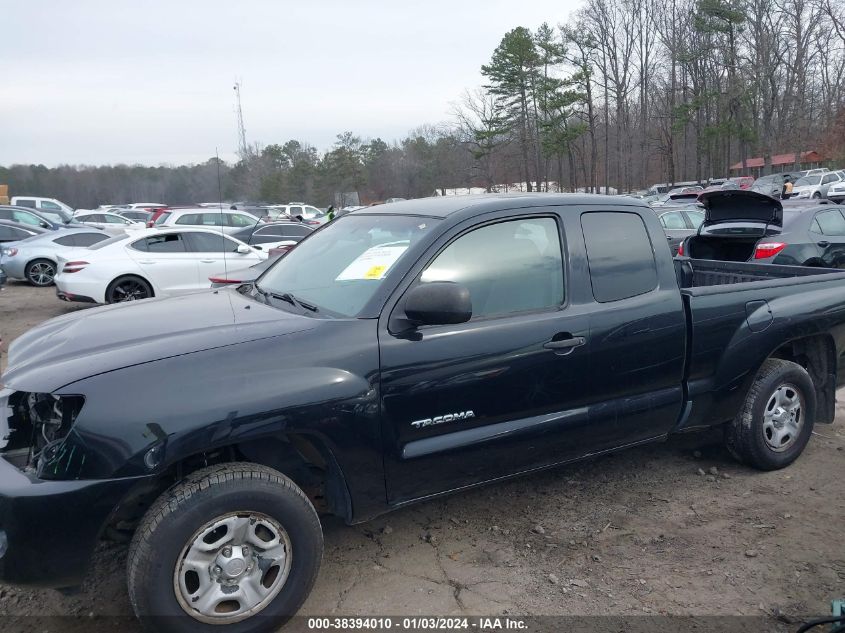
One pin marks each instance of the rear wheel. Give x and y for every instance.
(40, 272)
(776, 420)
(817, 195)
(128, 288)
(235, 544)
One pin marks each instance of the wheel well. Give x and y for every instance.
(303, 458)
(817, 355)
(39, 259)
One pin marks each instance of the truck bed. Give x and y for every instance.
(700, 273)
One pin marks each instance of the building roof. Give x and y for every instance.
(780, 159)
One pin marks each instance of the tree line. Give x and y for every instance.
(624, 94)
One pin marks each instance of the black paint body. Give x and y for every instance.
(218, 368)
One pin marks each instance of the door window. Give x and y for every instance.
(23, 202)
(236, 219)
(9, 233)
(188, 218)
(695, 218)
(830, 222)
(620, 255)
(26, 218)
(511, 266)
(51, 206)
(210, 243)
(168, 243)
(673, 220)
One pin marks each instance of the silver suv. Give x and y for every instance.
(226, 221)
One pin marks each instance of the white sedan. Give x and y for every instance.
(109, 222)
(150, 263)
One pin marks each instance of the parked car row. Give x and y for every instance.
(89, 264)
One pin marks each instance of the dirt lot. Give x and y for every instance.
(676, 528)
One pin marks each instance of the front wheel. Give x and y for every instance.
(776, 420)
(817, 195)
(237, 545)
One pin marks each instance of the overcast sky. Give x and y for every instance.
(119, 81)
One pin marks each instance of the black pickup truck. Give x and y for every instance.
(398, 353)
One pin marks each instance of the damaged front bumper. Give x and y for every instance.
(52, 527)
(51, 515)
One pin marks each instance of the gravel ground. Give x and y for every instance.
(675, 528)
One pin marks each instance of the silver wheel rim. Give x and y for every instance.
(783, 417)
(232, 567)
(41, 273)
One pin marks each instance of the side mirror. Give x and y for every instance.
(439, 303)
(243, 249)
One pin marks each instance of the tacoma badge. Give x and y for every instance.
(440, 419)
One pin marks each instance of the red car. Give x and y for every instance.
(744, 182)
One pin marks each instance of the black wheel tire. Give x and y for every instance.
(40, 272)
(744, 436)
(817, 195)
(130, 284)
(206, 494)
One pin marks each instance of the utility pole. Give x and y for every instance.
(242, 147)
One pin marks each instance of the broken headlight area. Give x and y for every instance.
(33, 428)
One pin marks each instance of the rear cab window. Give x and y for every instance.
(620, 255)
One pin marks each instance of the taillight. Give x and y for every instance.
(681, 249)
(768, 249)
(74, 267)
(224, 280)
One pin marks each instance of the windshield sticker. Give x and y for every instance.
(374, 263)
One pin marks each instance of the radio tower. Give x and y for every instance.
(242, 148)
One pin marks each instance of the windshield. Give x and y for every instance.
(808, 180)
(340, 267)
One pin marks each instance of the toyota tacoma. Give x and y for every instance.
(398, 353)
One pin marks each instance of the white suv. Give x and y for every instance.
(41, 204)
(224, 220)
(836, 191)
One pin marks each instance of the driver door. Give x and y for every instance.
(467, 403)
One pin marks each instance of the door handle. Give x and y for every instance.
(565, 342)
(823, 243)
(208, 261)
(147, 261)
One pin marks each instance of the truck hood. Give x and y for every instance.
(98, 340)
(743, 205)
